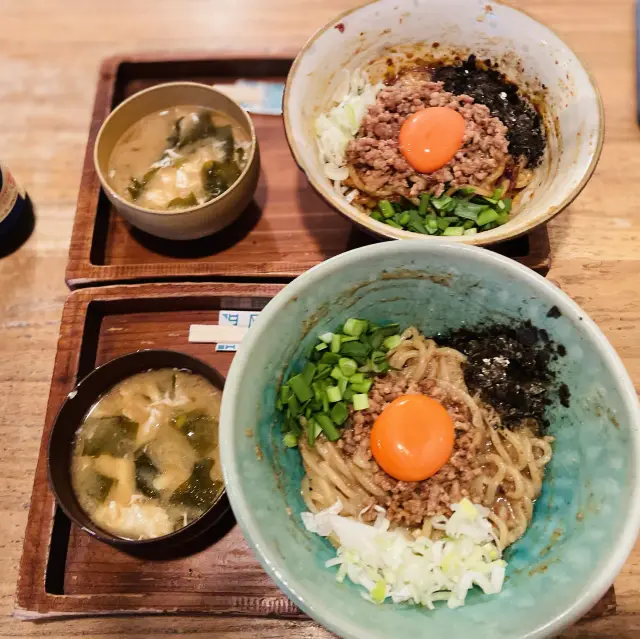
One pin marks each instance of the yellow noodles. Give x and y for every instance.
(508, 465)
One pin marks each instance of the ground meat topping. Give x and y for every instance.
(381, 166)
(409, 503)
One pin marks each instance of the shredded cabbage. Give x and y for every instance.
(340, 124)
(392, 564)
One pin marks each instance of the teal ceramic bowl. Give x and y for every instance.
(588, 515)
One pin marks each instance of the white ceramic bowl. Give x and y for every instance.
(527, 51)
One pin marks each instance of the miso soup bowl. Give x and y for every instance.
(529, 53)
(587, 517)
(70, 417)
(196, 221)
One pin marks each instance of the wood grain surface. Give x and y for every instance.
(49, 61)
(287, 229)
(63, 570)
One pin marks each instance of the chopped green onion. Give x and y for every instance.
(403, 218)
(293, 407)
(335, 343)
(300, 387)
(347, 366)
(333, 394)
(329, 358)
(355, 327)
(285, 393)
(392, 223)
(386, 208)
(290, 440)
(357, 378)
(347, 396)
(487, 216)
(363, 387)
(337, 374)
(324, 370)
(470, 232)
(379, 591)
(444, 222)
(326, 338)
(356, 350)
(360, 402)
(440, 203)
(392, 342)
(469, 210)
(497, 194)
(504, 206)
(339, 413)
(321, 347)
(379, 362)
(453, 231)
(344, 339)
(313, 430)
(308, 372)
(425, 198)
(342, 385)
(328, 427)
(376, 216)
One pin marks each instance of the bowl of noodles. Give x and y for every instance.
(431, 435)
(456, 118)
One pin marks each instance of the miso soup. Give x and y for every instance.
(178, 158)
(145, 459)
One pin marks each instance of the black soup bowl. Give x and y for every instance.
(186, 540)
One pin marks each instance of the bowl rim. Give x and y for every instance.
(480, 239)
(96, 531)
(276, 566)
(161, 213)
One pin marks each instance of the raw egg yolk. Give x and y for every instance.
(429, 138)
(412, 438)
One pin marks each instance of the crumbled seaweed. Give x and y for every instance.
(487, 86)
(510, 367)
(554, 312)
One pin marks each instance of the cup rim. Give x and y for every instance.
(155, 212)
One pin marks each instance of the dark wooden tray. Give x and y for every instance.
(65, 572)
(285, 231)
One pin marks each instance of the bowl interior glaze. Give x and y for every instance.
(587, 516)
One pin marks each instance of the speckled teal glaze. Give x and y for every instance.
(587, 518)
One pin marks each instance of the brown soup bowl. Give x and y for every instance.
(194, 536)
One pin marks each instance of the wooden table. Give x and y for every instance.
(48, 64)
